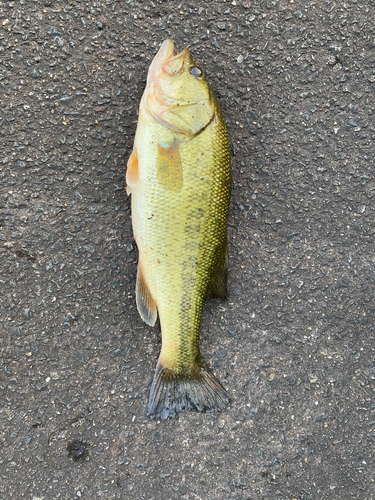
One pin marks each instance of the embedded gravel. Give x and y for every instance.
(293, 345)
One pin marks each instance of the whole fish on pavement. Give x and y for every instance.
(179, 178)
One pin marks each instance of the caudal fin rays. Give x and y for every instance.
(173, 392)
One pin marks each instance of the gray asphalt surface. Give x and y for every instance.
(293, 345)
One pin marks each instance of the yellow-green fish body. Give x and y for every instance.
(179, 178)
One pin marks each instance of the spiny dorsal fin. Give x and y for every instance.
(145, 303)
(132, 174)
(170, 167)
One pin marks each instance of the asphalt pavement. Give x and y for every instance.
(293, 344)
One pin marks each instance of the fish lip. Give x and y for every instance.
(164, 56)
(165, 52)
(181, 54)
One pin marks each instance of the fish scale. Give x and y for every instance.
(186, 236)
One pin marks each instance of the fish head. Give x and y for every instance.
(177, 94)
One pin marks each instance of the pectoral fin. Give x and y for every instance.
(132, 174)
(169, 167)
(219, 285)
(145, 303)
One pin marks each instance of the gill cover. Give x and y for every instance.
(176, 97)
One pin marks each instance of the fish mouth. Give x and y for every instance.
(175, 64)
(165, 52)
(165, 61)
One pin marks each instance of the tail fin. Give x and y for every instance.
(173, 392)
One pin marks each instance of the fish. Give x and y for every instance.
(179, 178)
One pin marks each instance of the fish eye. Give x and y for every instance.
(195, 71)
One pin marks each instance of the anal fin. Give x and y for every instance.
(145, 303)
(132, 174)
